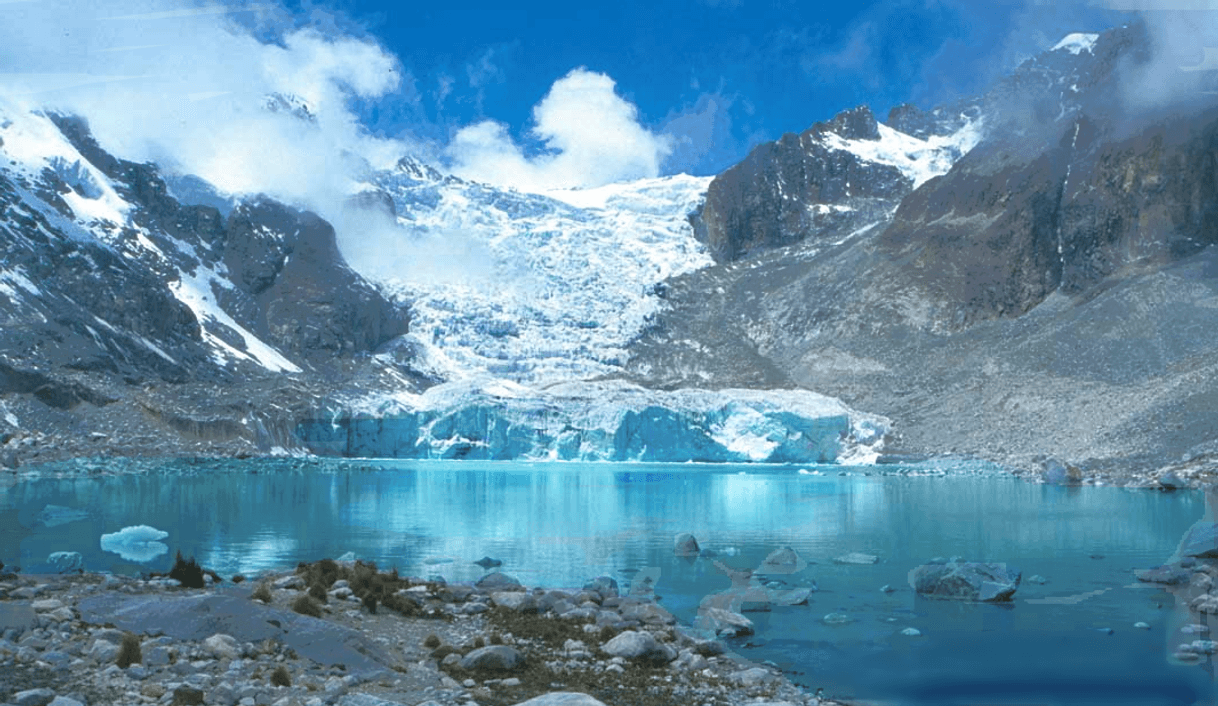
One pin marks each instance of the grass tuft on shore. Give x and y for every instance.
(129, 651)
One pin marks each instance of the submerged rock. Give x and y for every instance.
(1165, 574)
(65, 562)
(685, 544)
(783, 560)
(856, 558)
(970, 581)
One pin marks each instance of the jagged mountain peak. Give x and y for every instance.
(416, 169)
(289, 104)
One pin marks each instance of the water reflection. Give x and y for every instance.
(560, 524)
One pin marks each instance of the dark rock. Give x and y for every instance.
(685, 545)
(187, 696)
(971, 581)
(486, 562)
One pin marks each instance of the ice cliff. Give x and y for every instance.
(488, 418)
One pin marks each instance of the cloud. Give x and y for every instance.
(192, 89)
(588, 135)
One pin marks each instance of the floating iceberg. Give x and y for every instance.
(139, 543)
(490, 418)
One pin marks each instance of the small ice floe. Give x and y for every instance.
(837, 619)
(911, 632)
(139, 543)
(1142, 626)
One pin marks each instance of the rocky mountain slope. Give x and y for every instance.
(1051, 294)
(135, 324)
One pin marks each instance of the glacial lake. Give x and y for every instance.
(1069, 641)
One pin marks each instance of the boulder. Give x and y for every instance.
(604, 585)
(1201, 541)
(515, 600)
(199, 617)
(784, 560)
(488, 563)
(1165, 574)
(496, 581)
(631, 644)
(1057, 473)
(33, 697)
(562, 698)
(967, 581)
(496, 658)
(222, 646)
(685, 545)
(722, 621)
(1171, 481)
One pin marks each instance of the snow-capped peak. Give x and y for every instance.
(1077, 43)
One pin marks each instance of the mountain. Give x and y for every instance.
(1049, 294)
(1024, 274)
(133, 323)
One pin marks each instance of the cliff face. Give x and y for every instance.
(1049, 293)
(799, 187)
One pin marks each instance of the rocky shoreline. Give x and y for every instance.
(94, 639)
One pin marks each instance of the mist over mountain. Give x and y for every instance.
(1022, 274)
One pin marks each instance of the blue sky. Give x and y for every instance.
(717, 75)
(530, 95)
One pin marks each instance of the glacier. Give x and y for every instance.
(536, 288)
(489, 418)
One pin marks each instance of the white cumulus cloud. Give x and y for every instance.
(591, 136)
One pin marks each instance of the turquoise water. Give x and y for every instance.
(560, 524)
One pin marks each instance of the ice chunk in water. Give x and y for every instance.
(139, 543)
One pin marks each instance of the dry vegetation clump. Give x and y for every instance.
(262, 592)
(553, 632)
(129, 651)
(374, 588)
(306, 606)
(281, 677)
(187, 573)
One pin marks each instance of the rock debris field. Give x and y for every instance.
(346, 634)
